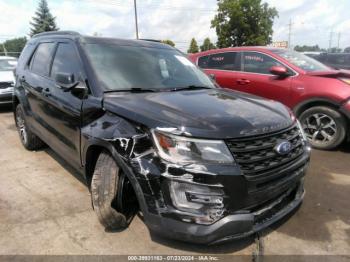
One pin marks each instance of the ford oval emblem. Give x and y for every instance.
(283, 148)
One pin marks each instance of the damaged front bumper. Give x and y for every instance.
(242, 214)
(211, 203)
(231, 227)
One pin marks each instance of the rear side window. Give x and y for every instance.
(26, 53)
(42, 59)
(66, 61)
(224, 61)
(255, 62)
(203, 61)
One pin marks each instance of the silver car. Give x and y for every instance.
(7, 65)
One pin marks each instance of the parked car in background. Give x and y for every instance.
(319, 95)
(314, 55)
(7, 66)
(149, 130)
(335, 60)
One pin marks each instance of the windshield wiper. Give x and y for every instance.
(190, 87)
(132, 90)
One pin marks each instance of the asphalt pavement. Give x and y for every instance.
(46, 209)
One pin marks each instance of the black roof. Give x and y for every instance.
(57, 33)
(107, 40)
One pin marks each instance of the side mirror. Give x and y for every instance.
(65, 81)
(279, 71)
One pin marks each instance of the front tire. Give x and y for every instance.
(107, 186)
(324, 126)
(29, 140)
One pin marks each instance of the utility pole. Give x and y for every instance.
(330, 41)
(339, 35)
(290, 34)
(5, 51)
(136, 23)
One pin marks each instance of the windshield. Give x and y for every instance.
(7, 64)
(300, 60)
(129, 67)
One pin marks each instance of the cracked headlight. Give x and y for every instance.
(184, 150)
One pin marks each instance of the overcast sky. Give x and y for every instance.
(179, 20)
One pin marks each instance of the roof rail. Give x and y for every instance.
(56, 33)
(151, 40)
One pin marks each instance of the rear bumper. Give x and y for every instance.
(231, 227)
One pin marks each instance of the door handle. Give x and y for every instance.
(243, 81)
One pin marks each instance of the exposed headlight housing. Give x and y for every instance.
(184, 150)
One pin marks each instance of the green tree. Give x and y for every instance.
(307, 48)
(243, 22)
(13, 46)
(207, 45)
(193, 47)
(43, 21)
(168, 42)
(347, 49)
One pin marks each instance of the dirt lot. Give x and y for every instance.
(45, 209)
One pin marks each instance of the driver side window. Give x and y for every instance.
(255, 62)
(66, 61)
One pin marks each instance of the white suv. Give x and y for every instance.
(7, 65)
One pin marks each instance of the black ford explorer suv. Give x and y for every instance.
(151, 133)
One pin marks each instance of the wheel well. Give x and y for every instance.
(90, 162)
(299, 109)
(15, 102)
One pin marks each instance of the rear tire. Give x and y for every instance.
(324, 126)
(29, 140)
(105, 194)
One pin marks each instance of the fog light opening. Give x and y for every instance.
(204, 202)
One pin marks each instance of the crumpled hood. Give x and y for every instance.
(7, 76)
(209, 113)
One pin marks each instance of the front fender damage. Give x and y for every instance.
(135, 146)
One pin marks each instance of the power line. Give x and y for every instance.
(330, 40)
(290, 34)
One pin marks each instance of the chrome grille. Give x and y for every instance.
(256, 155)
(6, 84)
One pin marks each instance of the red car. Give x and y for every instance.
(318, 95)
